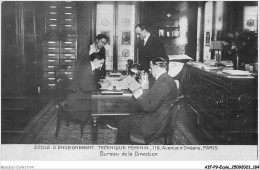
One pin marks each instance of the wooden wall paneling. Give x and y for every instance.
(155, 13)
(86, 32)
(30, 46)
(19, 87)
(8, 54)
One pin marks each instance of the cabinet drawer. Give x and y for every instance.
(68, 4)
(68, 8)
(50, 86)
(51, 43)
(49, 68)
(68, 50)
(52, 27)
(68, 43)
(68, 14)
(49, 74)
(52, 21)
(49, 80)
(68, 27)
(51, 49)
(67, 62)
(68, 21)
(69, 74)
(51, 62)
(68, 56)
(51, 56)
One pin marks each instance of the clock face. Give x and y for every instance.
(250, 23)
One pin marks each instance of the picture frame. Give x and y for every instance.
(175, 33)
(126, 38)
(207, 38)
(161, 32)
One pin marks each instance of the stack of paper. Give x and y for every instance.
(237, 72)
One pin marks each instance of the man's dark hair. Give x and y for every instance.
(161, 62)
(142, 26)
(100, 36)
(96, 56)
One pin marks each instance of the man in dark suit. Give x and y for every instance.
(84, 82)
(155, 105)
(149, 48)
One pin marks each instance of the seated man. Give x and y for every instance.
(155, 105)
(84, 83)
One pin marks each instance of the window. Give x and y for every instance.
(117, 20)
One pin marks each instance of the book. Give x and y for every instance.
(131, 83)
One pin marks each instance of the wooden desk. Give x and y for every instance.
(110, 105)
(225, 106)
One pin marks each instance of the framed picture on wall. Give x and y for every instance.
(175, 32)
(207, 38)
(126, 37)
(161, 32)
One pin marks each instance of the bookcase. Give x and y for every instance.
(60, 42)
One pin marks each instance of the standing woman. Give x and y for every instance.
(84, 82)
(98, 47)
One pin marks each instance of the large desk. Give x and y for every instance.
(225, 106)
(110, 105)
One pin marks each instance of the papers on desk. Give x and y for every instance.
(237, 72)
(127, 82)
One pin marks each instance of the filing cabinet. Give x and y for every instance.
(59, 59)
(60, 43)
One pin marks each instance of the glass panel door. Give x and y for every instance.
(126, 35)
(105, 25)
(117, 21)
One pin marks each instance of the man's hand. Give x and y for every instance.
(104, 83)
(138, 93)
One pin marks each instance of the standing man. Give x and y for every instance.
(98, 47)
(149, 48)
(155, 105)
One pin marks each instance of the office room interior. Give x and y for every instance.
(213, 44)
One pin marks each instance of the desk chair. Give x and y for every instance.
(169, 128)
(62, 90)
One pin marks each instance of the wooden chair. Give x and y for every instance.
(62, 90)
(169, 128)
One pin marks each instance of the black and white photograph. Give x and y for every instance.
(189, 98)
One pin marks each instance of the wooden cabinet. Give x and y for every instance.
(60, 44)
(59, 58)
(225, 106)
